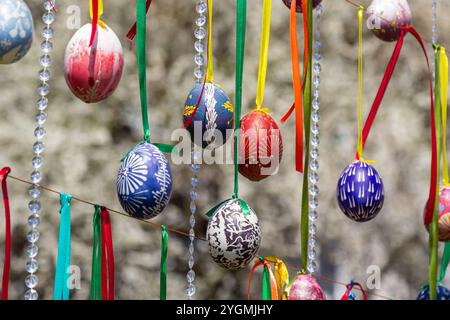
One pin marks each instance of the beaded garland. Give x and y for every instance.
(144, 182)
(16, 30)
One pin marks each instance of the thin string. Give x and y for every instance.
(264, 53)
(152, 224)
(210, 65)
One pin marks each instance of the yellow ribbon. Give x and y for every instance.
(210, 66)
(360, 82)
(100, 13)
(281, 275)
(263, 53)
(443, 79)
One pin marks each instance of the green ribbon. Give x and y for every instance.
(444, 262)
(266, 293)
(244, 206)
(165, 148)
(96, 275)
(61, 289)
(163, 269)
(307, 100)
(433, 228)
(241, 16)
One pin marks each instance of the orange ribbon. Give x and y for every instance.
(273, 283)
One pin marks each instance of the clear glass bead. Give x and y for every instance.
(191, 261)
(48, 4)
(199, 46)
(313, 177)
(36, 177)
(200, 33)
(36, 162)
(34, 206)
(46, 46)
(311, 242)
(198, 59)
(48, 18)
(41, 118)
(191, 248)
(39, 133)
(314, 165)
(192, 234)
(317, 68)
(316, 80)
(45, 61)
(195, 168)
(34, 192)
(32, 251)
(34, 220)
(43, 90)
(316, 105)
(193, 195)
(42, 104)
(314, 153)
(317, 45)
(190, 276)
(314, 190)
(313, 215)
(193, 207)
(317, 56)
(198, 73)
(192, 221)
(194, 182)
(201, 7)
(200, 21)
(31, 294)
(44, 75)
(312, 267)
(190, 291)
(311, 254)
(31, 281)
(312, 229)
(196, 156)
(315, 141)
(33, 236)
(315, 117)
(313, 203)
(316, 93)
(47, 32)
(31, 266)
(315, 129)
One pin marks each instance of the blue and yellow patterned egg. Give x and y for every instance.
(144, 182)
(16, 30)
(442, 293)
(213, 121)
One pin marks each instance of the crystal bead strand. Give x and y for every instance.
(199, 71)
(34, 206)
(314, 152)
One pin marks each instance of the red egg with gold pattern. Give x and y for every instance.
(260, 146)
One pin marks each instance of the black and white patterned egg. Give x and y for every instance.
(233, 237)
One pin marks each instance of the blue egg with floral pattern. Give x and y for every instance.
(144, 182)
(213, 121)
(360, 192)
(16, 30)
(442, 293)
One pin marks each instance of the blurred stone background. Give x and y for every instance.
(84, 144)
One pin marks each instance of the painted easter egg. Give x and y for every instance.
(442, 293)
(233, 237)
(306, 287)
(144, 182)
(213, 121)
(444, 214)
(360, 192)
(260, 146)
(93, 73)
(387, 16)
(298, 4)
(16, 30)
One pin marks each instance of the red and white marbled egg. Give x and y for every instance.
(260, 146)
(306, 287)
(443, 214)
(93, 73)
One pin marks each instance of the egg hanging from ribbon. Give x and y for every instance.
(444, 214)
(16, 30)
(233, 236)
(306, 287)
(442, 293)
(260, 146)
(144, 182)
(93, 72)
(213, 121)
(387, 16)
(298, 4)
(360, 192)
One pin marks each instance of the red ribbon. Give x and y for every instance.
(107, 257)
(273, 283)
(53, 7)
(377, 102)
(7, 261)
(132, 32)
(350, 287)
(94, 21)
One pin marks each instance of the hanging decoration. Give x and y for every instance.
(233, 219)
(442, 293)
(93, 61)
(281, 274)
(360, 192)
(61, 290)
(386, 17)
(163, 268)
(144, 181)
(16, 34)
(34, 206)
(350, 295)
(298, 7)
(7, 255)
(208, 112)
(269, 283)
(305, 287)
(96, 270)
(261, 144)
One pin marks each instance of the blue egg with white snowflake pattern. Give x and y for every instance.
(213, 121)
(144, 182)
(16, 30)
(360, 192)
(442, 293)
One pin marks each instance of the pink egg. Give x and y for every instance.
(444, 214)
(93, 73)
(306, 287)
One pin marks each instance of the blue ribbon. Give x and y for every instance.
(61, 289)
